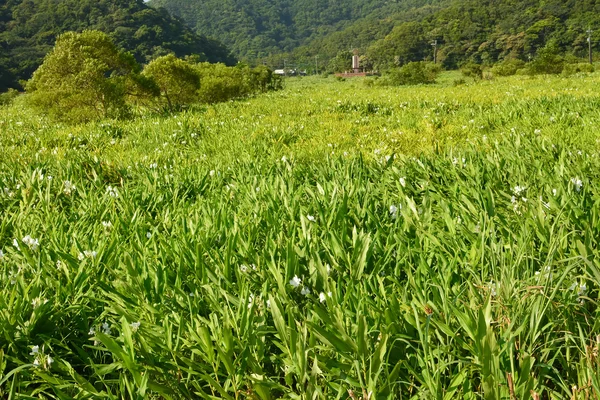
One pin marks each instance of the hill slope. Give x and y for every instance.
(28, 29)
(256, 28)
(480, 30)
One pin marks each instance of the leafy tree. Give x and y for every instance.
(413, 73)
(178, 81)
(341, 62)
(84, 77)
(406, 43)
(28, 31)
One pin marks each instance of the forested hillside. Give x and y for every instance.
(28, 29)
(256, 28)
(392, 31)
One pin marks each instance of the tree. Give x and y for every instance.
(84, 77)
(178, 81)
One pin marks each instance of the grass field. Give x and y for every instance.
(332, 240)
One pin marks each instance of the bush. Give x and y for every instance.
(7, 97)
(548, 61)
(84, 77)
(472, 70)
(507, 67)
(572, 69)
(177, 80)
(414, 73)
(219, 82)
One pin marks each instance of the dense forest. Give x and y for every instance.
(28, 30)
(387, 32)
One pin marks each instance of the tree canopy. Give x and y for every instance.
(483, 31)
(28, 30)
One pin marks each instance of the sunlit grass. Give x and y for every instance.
(418, 242)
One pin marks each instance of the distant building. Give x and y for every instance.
(279, 72)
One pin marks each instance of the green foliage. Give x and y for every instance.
(392, 31)
(8, 97)
(84, 77)
(178, 81)
(28, 30)
(548, 61)
(445, 242)
(342, 62)
(508, 67)
(413, 73)
(572, 69)
(221, 83)
(472, 70)
(405, 43)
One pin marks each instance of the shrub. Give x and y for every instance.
(177, 80)
(572, 69)
(472, 70)
(7, 97)
(262, 79)
(414, 73)
(84, 77)
(507, 67)
(221, 83)
(548, 61)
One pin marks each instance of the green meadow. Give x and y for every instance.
(332, 240)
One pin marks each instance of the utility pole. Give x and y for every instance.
(589, 39)
(434, 44)
(316, 65)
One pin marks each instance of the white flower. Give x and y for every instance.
(153, 166)
(36, 362)
(268, 303)
(322, 297)
(31, 242)
(329, 294)
(35, 350)
(582, 291)
(250, 300)
(49, 361)
(517, 190)
(403, 181)
(295, 281)
(107, 224)
(305, 291)
(16, 244)
(149, 235)
(92, 332)
(554, 192)
(310, 218)
(69, 188)
(212, 172)
(243, 268)
(135, 326)
(284, 159)
(393, 211)
(38, 301)
(106, 328)
(577, 183)
(112, 192)
(328, 267)
(493, 289)
(87, 254)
